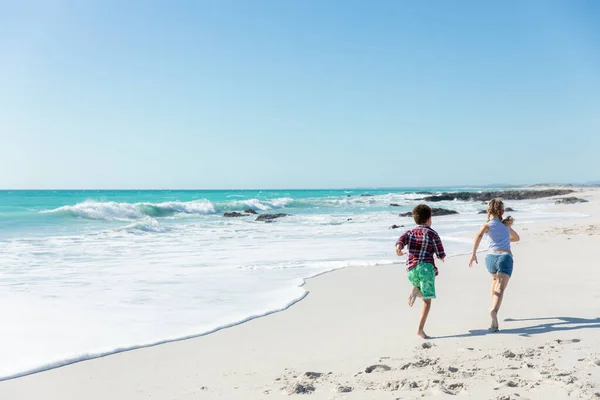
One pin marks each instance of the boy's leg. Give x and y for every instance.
(413, 278)
(427, 279)
(412, 296)
(424, 314)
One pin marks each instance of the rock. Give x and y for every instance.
(366, 195)
(250, 211)
(453, 369)
(344, 389)
(313, 375)
(233, 214)
(303, 388)
(435, 212)
(438, 212)
(427, 345)
(396, 226)
(506, 195)
(413, 385)
(270, 217)
(394, 205)
(349, 219)
(570, 200)
(377, 367)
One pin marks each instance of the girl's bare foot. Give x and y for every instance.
(423, 335)
(494, 326)
(414, 293)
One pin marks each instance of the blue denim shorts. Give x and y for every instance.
(499, 263)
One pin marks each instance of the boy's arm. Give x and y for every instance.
(400, 243)
(438, 247)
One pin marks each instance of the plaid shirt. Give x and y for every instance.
(422, 242)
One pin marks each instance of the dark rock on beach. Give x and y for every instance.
(435, 212)
(505, 195)
(396, 226)
(570, 200)
(270, 217)
(394, 205)
(233, 214)
(250, 211)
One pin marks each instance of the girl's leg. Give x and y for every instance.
(501, 283)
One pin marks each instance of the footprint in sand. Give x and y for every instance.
(378, 368)
(313, 375)
(568, 341)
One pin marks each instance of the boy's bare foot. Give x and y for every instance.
(423, 335)
(494, 326)
(414, 293)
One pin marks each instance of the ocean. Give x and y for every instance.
(88, 273)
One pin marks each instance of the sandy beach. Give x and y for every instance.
(353, 336)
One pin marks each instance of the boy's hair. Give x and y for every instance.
(495, 209)
(421, 214)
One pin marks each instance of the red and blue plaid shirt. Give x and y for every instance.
(422, 243)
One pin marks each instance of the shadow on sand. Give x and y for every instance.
(554, 324)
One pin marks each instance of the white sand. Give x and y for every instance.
(549, 346)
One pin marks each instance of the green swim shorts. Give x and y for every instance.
(423, 277)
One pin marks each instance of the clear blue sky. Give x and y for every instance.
(298, 94)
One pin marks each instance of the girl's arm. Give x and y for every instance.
(478, 238)
(514, 236)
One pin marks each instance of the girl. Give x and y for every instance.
(499, 261)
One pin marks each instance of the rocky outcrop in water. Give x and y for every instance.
(505, 195)
(435, 212)
(507, 209)
(250, 211)
(570, 200)
(233, 214)
(270, 217)
(394, 205)
(396, 226)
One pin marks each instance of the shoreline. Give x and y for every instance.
(18, 386)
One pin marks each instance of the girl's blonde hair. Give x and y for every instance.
(495, 209)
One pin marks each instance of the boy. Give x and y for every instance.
(422, 242)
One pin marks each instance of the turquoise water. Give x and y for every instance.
(27, 212)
